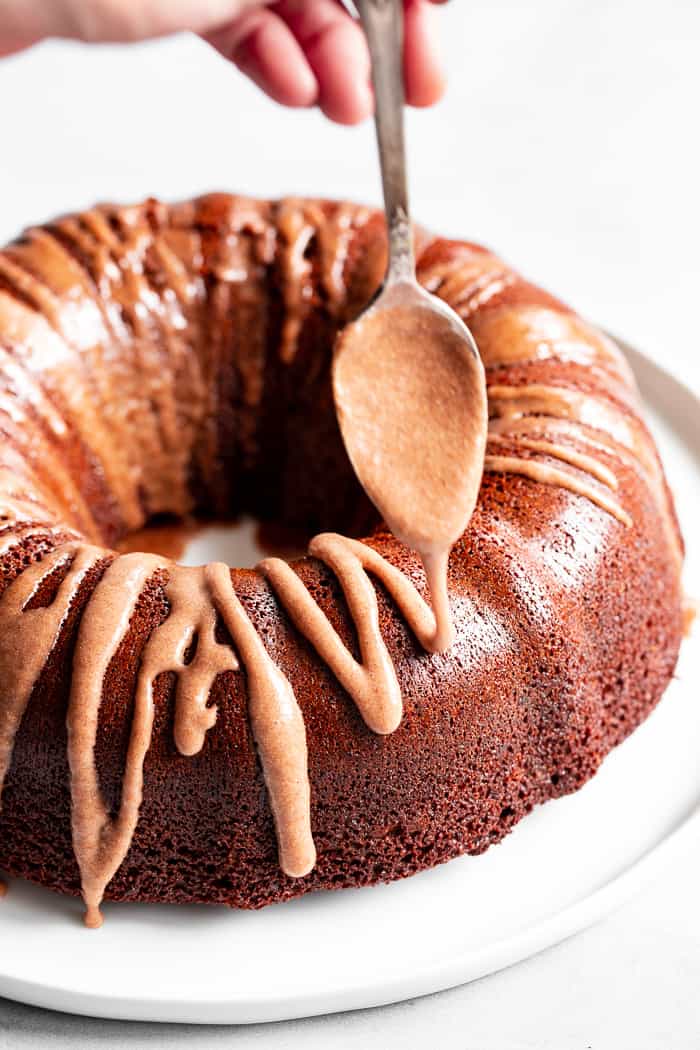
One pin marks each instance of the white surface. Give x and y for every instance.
(568, 141)
(563, 867)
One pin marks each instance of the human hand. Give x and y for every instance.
(300, 52)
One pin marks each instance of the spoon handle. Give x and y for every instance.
(383, 25)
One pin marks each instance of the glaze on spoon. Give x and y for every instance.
(409, 385)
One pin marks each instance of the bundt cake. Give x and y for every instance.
(236, 736)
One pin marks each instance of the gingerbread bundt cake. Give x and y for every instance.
(242, 737)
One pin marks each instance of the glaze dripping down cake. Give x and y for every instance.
(233, 736)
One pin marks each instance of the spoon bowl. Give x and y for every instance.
(410, 398)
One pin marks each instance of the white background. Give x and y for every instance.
(569, 142)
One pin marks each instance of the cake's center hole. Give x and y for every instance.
(241, 542)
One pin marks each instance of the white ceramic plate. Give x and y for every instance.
(566, 865)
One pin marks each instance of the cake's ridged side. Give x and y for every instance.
(568, 622)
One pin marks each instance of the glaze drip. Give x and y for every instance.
(196, 597)
(548, 412)
(28, 636)
(372, 684)
(548, 475)
(101, 843)
(309, 239)
(278, 730)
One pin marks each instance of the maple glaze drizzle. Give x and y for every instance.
(109, 268)
(196, 596)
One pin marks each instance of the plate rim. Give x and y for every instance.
(440, 976)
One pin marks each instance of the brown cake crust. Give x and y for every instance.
(568, 623)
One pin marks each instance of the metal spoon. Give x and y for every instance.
(408, 382)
